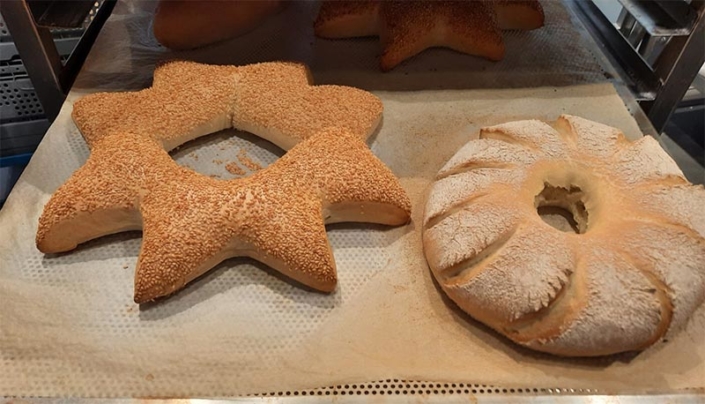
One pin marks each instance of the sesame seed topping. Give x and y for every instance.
(191, 222)
(407, 28)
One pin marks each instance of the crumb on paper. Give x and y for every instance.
(235, 169)
(246, 161)
(399, 288)
(125, 266)
(218, 161)
(149, 377)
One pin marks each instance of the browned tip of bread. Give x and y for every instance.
(347, 19)
(356, 175)
(406, 28)
(519, 14)
(184, 97)
(101, 197)
(409, 28)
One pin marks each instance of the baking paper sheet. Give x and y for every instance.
(68, 326)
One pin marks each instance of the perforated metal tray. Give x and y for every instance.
(22, 122)
(408, 388)
(397, 391)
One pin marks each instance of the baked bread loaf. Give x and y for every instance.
(518, 14)
(633, 272)
(188, 24)
(275, 101)
(407, 28)
(191, 222)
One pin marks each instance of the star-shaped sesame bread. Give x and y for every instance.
(191, 222)
(407, 28)
(275, 101)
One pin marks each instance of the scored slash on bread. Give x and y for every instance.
(191, 222)
(632, 275)
(407, 28)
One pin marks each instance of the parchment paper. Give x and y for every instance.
(68, 326)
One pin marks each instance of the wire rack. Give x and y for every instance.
(22, 119)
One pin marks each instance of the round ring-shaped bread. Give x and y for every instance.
(631, 272)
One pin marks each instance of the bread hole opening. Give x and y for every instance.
(558, 218)
(562, 208)
(227, 154)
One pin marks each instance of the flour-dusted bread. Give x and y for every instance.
(633, 272)
(188, 24)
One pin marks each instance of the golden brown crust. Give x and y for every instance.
(192, 222)
(406, 28)
(196, 94)
(519, 14)
(411, 27)
(187, 24)
(345, 19)
(297, 109)
(273, 100)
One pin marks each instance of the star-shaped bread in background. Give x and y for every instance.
(407, 28)
(191, 222)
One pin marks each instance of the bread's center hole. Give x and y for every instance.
(227, 154)
(562, 208)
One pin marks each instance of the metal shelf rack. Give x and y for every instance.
(29, 100)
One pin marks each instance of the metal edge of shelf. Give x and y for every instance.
(66, 41)
(630, 100)
(54, 14)
(654, 24)
(614, 51)
(64, 46)
(619, 84)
